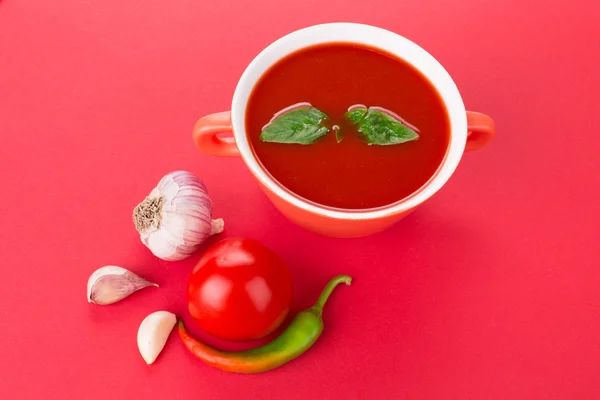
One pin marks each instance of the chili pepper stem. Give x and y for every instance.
(317, 309)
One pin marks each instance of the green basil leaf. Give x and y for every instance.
(356, 115)
(379, 127)
(301, 126)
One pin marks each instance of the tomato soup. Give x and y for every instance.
(350, 173)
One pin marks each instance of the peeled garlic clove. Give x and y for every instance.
(153, 334)
(110, 284)
(176, 217)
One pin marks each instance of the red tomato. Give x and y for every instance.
(240, 290)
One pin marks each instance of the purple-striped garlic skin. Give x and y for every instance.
(111, 283)
(176, 217)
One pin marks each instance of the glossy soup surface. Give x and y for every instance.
(350, 174)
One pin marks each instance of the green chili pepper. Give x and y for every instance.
(300, 335)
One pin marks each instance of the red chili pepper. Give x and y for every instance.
(300, 335)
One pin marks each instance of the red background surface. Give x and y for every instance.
(490, 291)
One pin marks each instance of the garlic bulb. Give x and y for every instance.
(110, 284)
(176, 217)
(153, 334)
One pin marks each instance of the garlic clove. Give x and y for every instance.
(110, 284)
(153, 334)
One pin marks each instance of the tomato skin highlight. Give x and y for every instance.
(240, 290)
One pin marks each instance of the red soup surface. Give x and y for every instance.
(350, 174)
